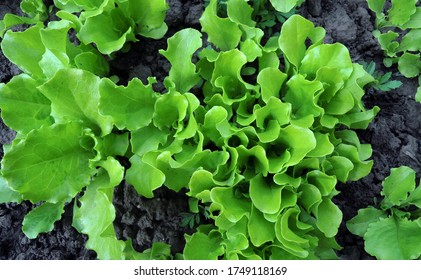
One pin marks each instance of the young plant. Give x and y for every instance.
(382, 81)
(109, 24)
(392, 231)
(403, 51)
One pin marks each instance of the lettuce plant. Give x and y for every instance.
(274, 110)
(110, 24)
(392, 231)
(258, 133)
(401, 50)
(35, 9)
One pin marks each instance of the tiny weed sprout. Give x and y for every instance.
(382, 81)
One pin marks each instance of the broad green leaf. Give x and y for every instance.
(7, 194)
(109, 31)
(240, 12)
(23, 106)
(11, 20)
(216, 125)
(303, 96)
(323, 146)
(294, 34)
(330, 56)
(401, 11)
(74, 96)
(415, 21)
(259, 229)
(360, 223)
(149, 16)
(270, 118)
(49, 164)
(57, 44)
(329, 217)
(361, 167)
(415, 197)
(284, 179)
(325, 183)
(115, 144)
(170, 110)
(309, 197)
(290, 237)
(393, 239)
(376, 6)
(270, 81)
(15, 46)
(67, 5)
(410, 65)
(227, 76)
(92, 62)
(131, 107)
(418, 94)
(178, 170)
(201, 182)
(34, 8)
(253, 161)
(200, 246)
(147, 139)
(251, 49)
(338, 166)
(265, 195)
(107, 247)
(222, 32)
(236, 240)
(387, 42)
(359, 120)
(181, 47)
(398, 184)
(42, 218)
(96, 212)
(158, 251)
(144, 177)
(232, 206)
(284, 6)
(410, 41)
(299, 142)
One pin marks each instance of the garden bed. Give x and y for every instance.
(395, 137)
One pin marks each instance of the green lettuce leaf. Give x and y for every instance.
(393, 239)
(136, 98)
(20, 90)
(7, 194)
(49, 164)
(109, 31)
(42, 219)
(96, 212)
(181, 47)
(222, 32)
(74, 96)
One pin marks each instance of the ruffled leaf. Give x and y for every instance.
(136, 98)
(49, 164)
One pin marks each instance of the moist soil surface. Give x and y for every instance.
(395, 136)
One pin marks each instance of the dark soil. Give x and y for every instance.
(395, 136)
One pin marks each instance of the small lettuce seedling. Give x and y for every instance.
(403, 51)
(392, 231)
